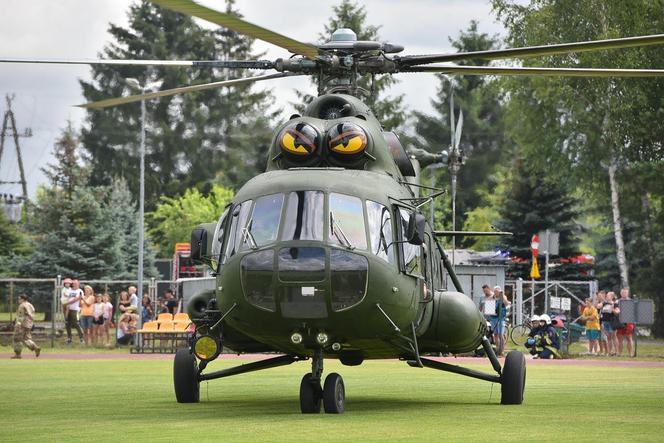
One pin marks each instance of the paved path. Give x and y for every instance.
(451, 360)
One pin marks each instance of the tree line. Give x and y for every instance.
(579, 156)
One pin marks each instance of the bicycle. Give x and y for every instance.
(519, 333)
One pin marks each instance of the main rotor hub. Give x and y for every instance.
(343, 35)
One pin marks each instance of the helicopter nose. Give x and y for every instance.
(309, 282)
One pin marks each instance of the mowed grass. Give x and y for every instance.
(133, 400)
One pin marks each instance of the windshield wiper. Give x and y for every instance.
(339, 233)
(247, 235)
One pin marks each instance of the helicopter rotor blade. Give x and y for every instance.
(193, 9)
(238, 64)
(536, 71)
(168, 92)
(457, 132)
(533, 51)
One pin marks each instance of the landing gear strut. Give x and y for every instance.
(333, 395)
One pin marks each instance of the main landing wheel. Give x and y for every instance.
(310, 395)
(513, 379)
(334, 394)
(185, 377)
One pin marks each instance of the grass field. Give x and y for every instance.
(132, 400)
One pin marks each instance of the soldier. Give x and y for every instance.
(23, 327)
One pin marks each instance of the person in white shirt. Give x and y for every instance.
(133, 298)
(73, 310)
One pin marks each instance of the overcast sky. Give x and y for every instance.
(77, 29)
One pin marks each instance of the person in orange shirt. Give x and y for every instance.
(87, 314)
(591, 317)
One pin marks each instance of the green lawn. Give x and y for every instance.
(132, 400)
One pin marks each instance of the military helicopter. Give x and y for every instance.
(327, 255)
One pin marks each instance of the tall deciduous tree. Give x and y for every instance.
(175, 218)
(588, 130)
(190, 137)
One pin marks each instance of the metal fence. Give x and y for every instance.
(45, 296)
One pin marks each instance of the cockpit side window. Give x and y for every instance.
(236, 233)
(346, 221)
(219, 233)
(410, 253)
(380, 231)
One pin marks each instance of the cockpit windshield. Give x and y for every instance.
(301, 215)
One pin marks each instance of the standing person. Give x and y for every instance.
(627, 331)
(599, 302)
(25, 317)
(108, 318)
(98, 320)
(64, 295)
(73, 310)
(607, 316)
(498, 320)
(147, 313)
(133, 298)
(87, 314)
(591, 317)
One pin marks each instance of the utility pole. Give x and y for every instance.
(10, 120)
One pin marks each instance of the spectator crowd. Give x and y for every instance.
(93, 315)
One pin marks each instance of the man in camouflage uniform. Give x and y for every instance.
(23, 327)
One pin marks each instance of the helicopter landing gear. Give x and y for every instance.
(185, 377)
(513, 379)
(333, 395)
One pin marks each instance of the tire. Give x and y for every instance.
(334, 394)
(310, 396)
(513, 379)
(519, 334)
(185, 377)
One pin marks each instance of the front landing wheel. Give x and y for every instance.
(185, 377)
(334, 394)
(513, 379)
(310, 395)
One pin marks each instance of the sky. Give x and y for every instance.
(45, 95)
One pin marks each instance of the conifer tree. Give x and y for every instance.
(482, 141)
(190, 137)
(533, 204)
(67, 227)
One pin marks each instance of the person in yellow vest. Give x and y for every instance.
(25, 319)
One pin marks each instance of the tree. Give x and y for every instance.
(588, 130)
(388, 110)
(121, 217)
(68, 232)
(175, 218)
(483, 140)
(534, 203)
(14, 247)
(190, 137)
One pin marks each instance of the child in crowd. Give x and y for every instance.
(107, 307)
(591, 317)
(98, 319)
